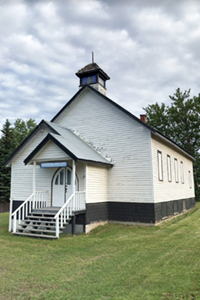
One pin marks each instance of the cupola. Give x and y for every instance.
(94, 76)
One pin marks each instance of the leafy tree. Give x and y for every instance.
(22, 129)
(180, 122)
(9, 141)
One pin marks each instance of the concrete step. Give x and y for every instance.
(45, 236)
(32, 230)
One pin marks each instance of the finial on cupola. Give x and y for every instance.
(94, 76)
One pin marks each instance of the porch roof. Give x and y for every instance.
(71, 144)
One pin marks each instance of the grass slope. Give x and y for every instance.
(113, 262)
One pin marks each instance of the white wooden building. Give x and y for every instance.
(96, 162)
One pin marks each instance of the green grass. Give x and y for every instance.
(113, 262)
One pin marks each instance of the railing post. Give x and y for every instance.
(14, 223)
(10, 217)
(57, 227)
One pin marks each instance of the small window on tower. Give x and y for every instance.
(101, 81)
(89, 79)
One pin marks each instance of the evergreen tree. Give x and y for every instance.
(11, 138)
(6, 148)
(180, 122)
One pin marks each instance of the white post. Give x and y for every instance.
(73, 182)
(57, 227)
(10, 217)
(86, 180)
(34, 182)
(14, 223)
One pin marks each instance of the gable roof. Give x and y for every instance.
(72, 145)
(53, 127)
(153, 130)
(23, 143)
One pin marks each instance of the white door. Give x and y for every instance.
(59, 188)
(62, 186)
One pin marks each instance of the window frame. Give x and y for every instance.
(176, 170)
(190, 179)
(182, 172)
(169, 168)
(160, 165)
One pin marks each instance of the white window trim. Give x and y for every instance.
(190, 179)
(182, 172)
(160, 167)
(169, 170)
(176, 169)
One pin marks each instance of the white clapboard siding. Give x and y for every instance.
(165, 190)
(51, 152)
(80, 173)
(117, 136)
(22, 176)
(97, 184)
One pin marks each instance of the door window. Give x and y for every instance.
(68, 176)
(61, 177)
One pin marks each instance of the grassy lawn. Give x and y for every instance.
(113, 262)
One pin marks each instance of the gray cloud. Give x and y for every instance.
(148, 48)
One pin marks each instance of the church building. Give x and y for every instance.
(94, 163)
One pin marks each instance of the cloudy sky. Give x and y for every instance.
(149, 48)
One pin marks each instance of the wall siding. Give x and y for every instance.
(97, 184)
(22, 175)
(116, 136)
(51, 152)
(165, 190)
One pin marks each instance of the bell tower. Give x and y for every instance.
(94, 76)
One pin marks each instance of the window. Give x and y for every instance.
(190, 179)
(56, 181)
(62, 177)
(89, 79)
(68, 176)
(169, 168)
(182, 173)
(101, 81)
(176, 169)
(160, 170)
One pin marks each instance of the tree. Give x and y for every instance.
(6, 148)
(22, 129)
(9, 141)
(180, 122)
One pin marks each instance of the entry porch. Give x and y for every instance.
(47, 213)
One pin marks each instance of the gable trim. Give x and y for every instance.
(108, 100)
(23, 143)
(153, 130)
(43, 143)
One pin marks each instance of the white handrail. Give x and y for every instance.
(35, 200)
(22, 204)
(63, 207)
(74, 203)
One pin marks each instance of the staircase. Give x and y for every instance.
(40, 223)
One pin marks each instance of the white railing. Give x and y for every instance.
(76, 202)
(79, 201)
(36, 200)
